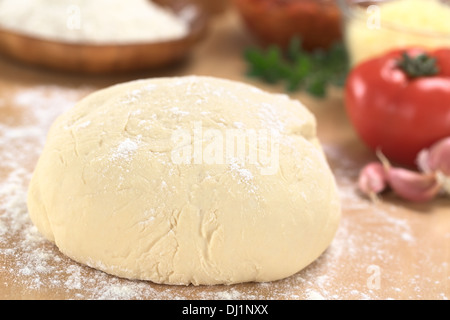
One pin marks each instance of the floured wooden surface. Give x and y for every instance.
(389, 250)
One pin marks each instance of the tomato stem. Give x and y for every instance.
(421, 65)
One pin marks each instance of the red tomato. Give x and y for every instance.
(395, 112)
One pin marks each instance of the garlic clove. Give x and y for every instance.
(438, 157)
(413, 186)
(444, 180)
(422, 160)
(372, 179)
(436, 160)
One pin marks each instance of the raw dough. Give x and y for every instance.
(109, 188)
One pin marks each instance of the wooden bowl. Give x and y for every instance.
(106, 58)
(317, 22)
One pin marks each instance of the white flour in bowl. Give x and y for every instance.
(87, 21)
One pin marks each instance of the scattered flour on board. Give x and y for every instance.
(36, 266)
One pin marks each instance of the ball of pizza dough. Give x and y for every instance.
(186, 180)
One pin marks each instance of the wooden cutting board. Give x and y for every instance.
(388, 250)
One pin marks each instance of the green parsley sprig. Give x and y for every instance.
(299, 69)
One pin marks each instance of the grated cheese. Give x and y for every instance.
(402, 23)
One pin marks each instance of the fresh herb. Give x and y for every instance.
(299, 69)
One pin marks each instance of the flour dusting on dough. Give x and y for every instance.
(33, 263)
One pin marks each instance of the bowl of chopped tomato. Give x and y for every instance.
(316, 22)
